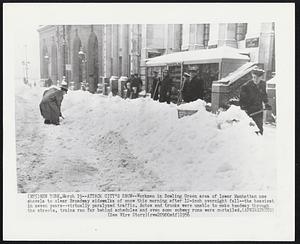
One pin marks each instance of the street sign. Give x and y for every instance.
(252, 42)
(68, 67)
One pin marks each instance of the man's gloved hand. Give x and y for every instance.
(268, 106)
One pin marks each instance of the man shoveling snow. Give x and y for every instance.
(253, 96)
(50, 105)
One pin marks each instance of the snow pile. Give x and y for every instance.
(199, 152)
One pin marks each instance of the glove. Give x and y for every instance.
(268, 106)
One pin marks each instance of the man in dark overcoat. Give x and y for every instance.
(136, 84)
(50, 105)
(252, 97)
(165, 88)
(155, 86)
(193, 88)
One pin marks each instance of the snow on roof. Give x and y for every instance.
(272, 81)
(213, 55)
(238, 73)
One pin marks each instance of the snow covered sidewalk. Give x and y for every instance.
(111, 144)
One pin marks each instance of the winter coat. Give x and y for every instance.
(51, 104)
(252, 96)
(165, 89)
(193, 90)
(135, 83)
(154, 88)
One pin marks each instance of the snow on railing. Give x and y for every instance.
(237, 74)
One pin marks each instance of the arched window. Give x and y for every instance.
(92, 62)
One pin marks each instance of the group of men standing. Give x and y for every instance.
(253, 95)
(133, 86)
(192, 87)
(161, 88)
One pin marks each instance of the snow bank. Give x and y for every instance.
(199, 152)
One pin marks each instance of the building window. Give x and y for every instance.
(206, 35)
(241, 30)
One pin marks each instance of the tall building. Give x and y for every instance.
(96, 52)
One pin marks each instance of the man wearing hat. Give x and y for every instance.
(165, 88)
(252, 97)
(50, 105)
(155, 86)
(136, 84)
(193, 87)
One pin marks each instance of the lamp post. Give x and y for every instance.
(25, 64)
(82, 56)
(46, 71)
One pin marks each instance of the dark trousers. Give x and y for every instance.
(258, 119)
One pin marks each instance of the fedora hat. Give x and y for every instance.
(64, 86)
(258, 71)
(193, 69)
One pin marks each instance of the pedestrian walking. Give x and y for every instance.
(155, 86)
(253, 96)
(165, 88)
(50, 106)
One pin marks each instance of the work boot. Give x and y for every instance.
(47, 121)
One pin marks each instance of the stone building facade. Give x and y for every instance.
(96, 52)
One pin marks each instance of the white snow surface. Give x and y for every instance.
(106, 143)
(198, 56)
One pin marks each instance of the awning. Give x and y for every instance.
(214, 55)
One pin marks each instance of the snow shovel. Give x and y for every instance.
(273, 116)
(156, 88)
(260, 111)
(257, 112)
